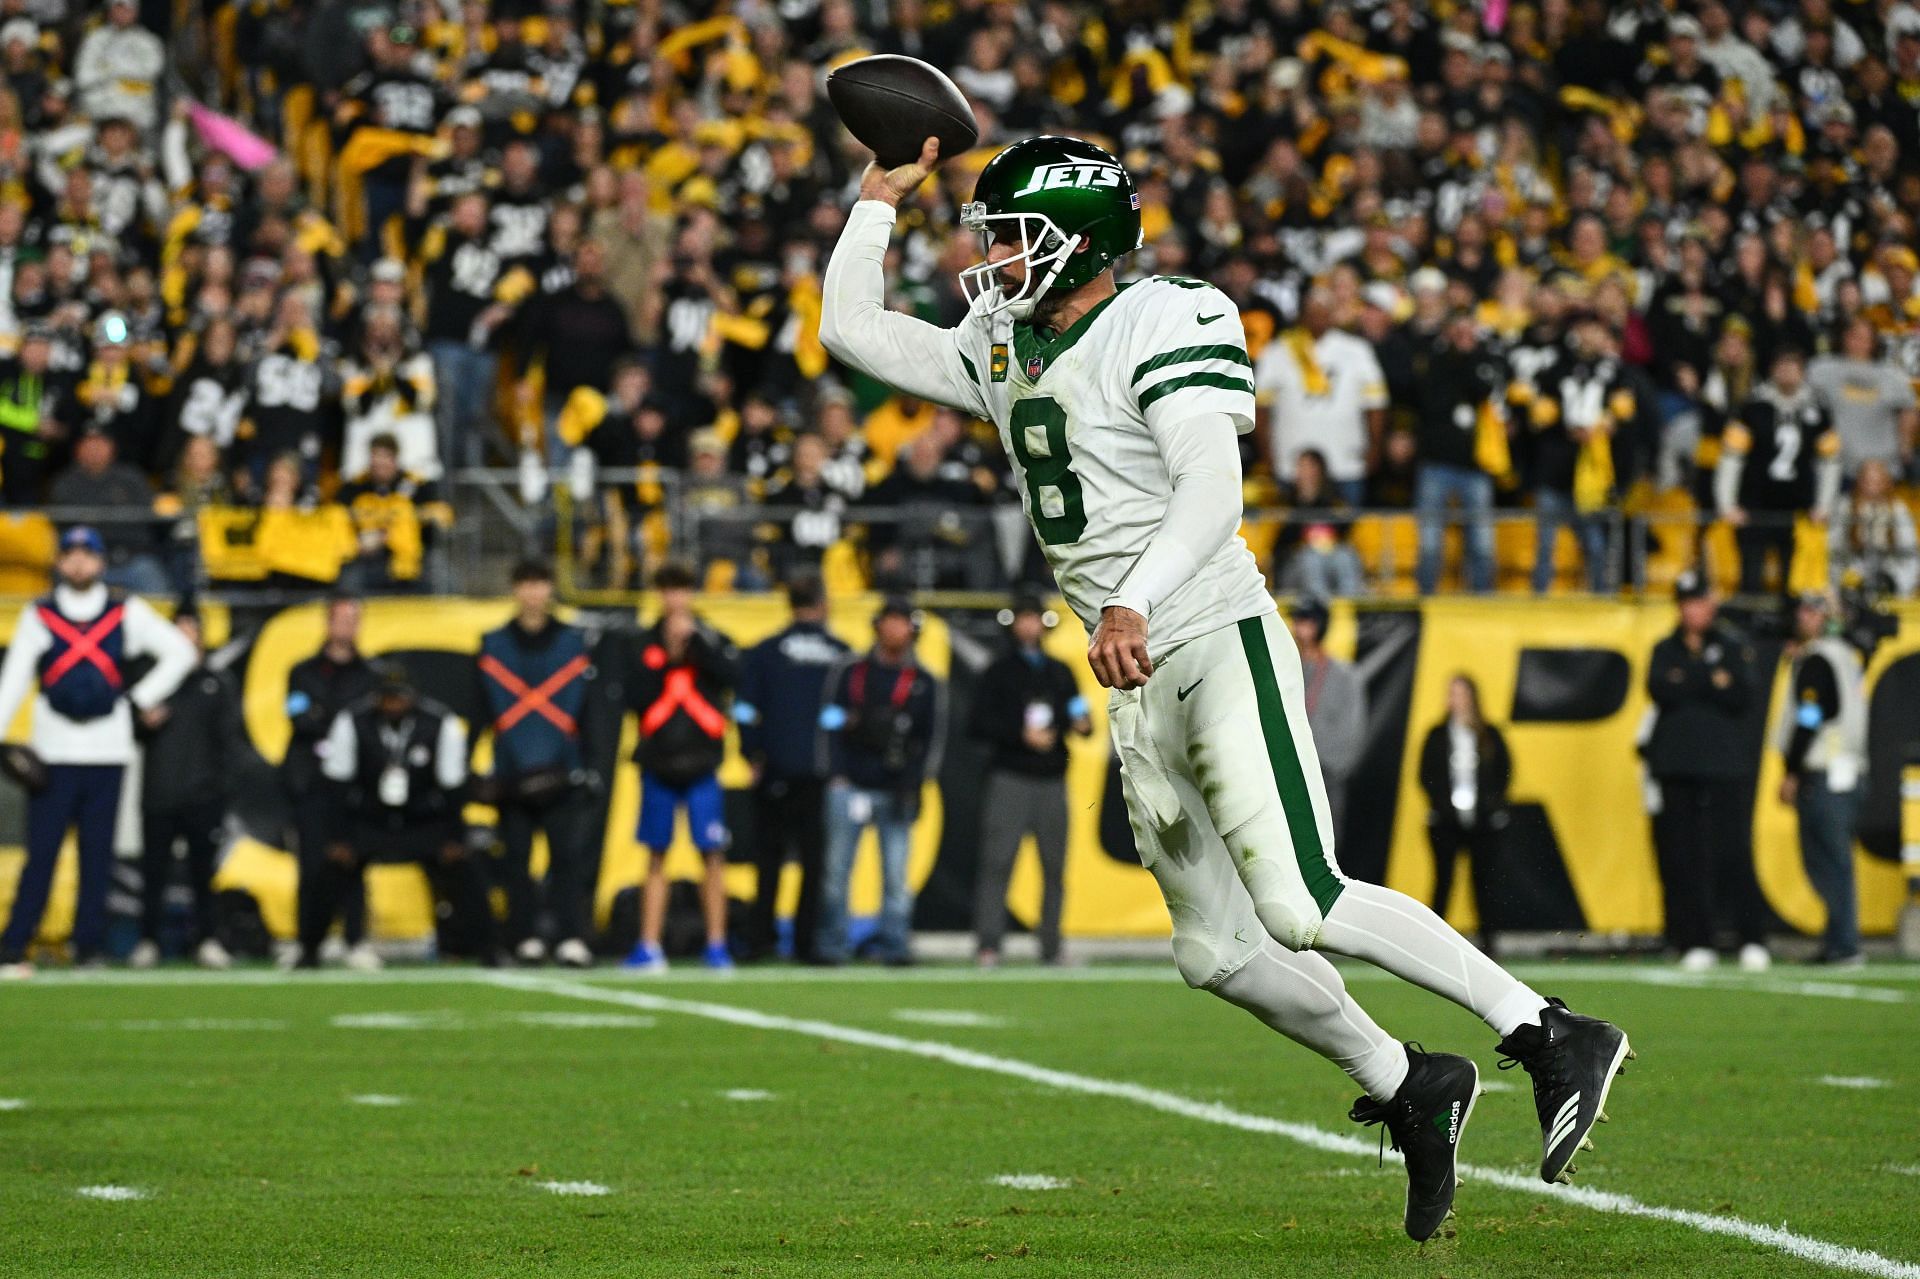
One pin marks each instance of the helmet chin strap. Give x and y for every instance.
(1024, 308)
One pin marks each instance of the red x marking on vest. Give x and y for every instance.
(533, 700)
(680, 694)
(82, 646)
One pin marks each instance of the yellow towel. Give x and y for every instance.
(1300, 342)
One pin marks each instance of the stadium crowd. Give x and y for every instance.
(272, 269)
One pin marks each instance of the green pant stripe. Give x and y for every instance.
(1284, 757)
(1193, 355)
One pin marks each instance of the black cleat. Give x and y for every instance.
(1573, 1061)
(1425, 1120)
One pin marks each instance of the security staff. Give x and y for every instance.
(187, 767)
(1823, 734)
(76, 644)
(318, 689)
(782, 682)
(36, 413)
(1025, 705)
(534, 675)
(1701, 679)
(401, 763)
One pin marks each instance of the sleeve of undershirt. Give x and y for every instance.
(907, 353)
(1202, 457)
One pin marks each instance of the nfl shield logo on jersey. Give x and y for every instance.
(1034, 365)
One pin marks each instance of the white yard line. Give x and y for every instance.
(1029, 1181)
(1819, 1251)
(1864, 1083)
(576, 1187)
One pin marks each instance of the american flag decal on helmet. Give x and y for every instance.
(1133, 201)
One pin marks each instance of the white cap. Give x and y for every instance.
(1428, 279)
(389, 270)
(1382, 295)
(21, 29)
(1683, 25)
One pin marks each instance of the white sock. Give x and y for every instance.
(1393, 931)
(1303, 998)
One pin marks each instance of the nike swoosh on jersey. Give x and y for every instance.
(1208, 319)
(1180, 695)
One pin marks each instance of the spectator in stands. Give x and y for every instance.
(36, 416)
(1701, 679)
(293, 388)
(387, 390)
(318, 690)
(718, 514)
(1325, 392)
(681, 677)
(1871, 536)
(1822, 732)
(197, 486)
(1336, 705)
(188, 759)
(400, 762)
(1871, 401)
(1459, 383)
(1312, 555)
(209, 397)
(535, 674)
(470, 295)
(782, 687)
(113, 395)
(1024, 706)
(882, 728)
(1779, 461)
(395, 515)
(583, 331)
(807, 513)
(1465, 770)
(106, 489)
(929, 527)
(118, 67)
(1582, 403)
(76, 645)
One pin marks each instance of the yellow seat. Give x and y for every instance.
(27, 550)
(1389, 547)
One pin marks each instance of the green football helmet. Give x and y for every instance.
(1049, 196)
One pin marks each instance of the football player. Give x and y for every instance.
(1120, 407)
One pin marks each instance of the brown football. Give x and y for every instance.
(893, 103)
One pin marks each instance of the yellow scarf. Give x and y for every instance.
(1300, 343)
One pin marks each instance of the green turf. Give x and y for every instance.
(874, 1163)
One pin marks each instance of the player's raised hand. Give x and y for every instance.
(895, 185)
(1118, 650)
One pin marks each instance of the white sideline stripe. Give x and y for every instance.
(1542, 975)
(1819, 1251)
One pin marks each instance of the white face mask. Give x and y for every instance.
(1044, 249)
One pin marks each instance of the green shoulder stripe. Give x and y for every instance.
(1161, 389)
(1193, 355)
(972, 372)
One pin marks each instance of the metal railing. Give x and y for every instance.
(606, 545)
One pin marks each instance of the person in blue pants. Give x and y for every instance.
(76, 645)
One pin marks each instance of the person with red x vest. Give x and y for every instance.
(535, 673)
(681, 680)
(77, 644)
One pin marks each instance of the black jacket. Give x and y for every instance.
(782, 685)
(318, 690)
(1703, 700)
(883, 724)
(682, 705)
(1492, 775)
(190, 759)
(1000, 703)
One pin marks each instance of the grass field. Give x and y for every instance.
(797, 1124)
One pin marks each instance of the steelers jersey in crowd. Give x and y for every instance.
(1776, 449)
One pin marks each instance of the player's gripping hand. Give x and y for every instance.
(895, 185)
(1118, 650)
